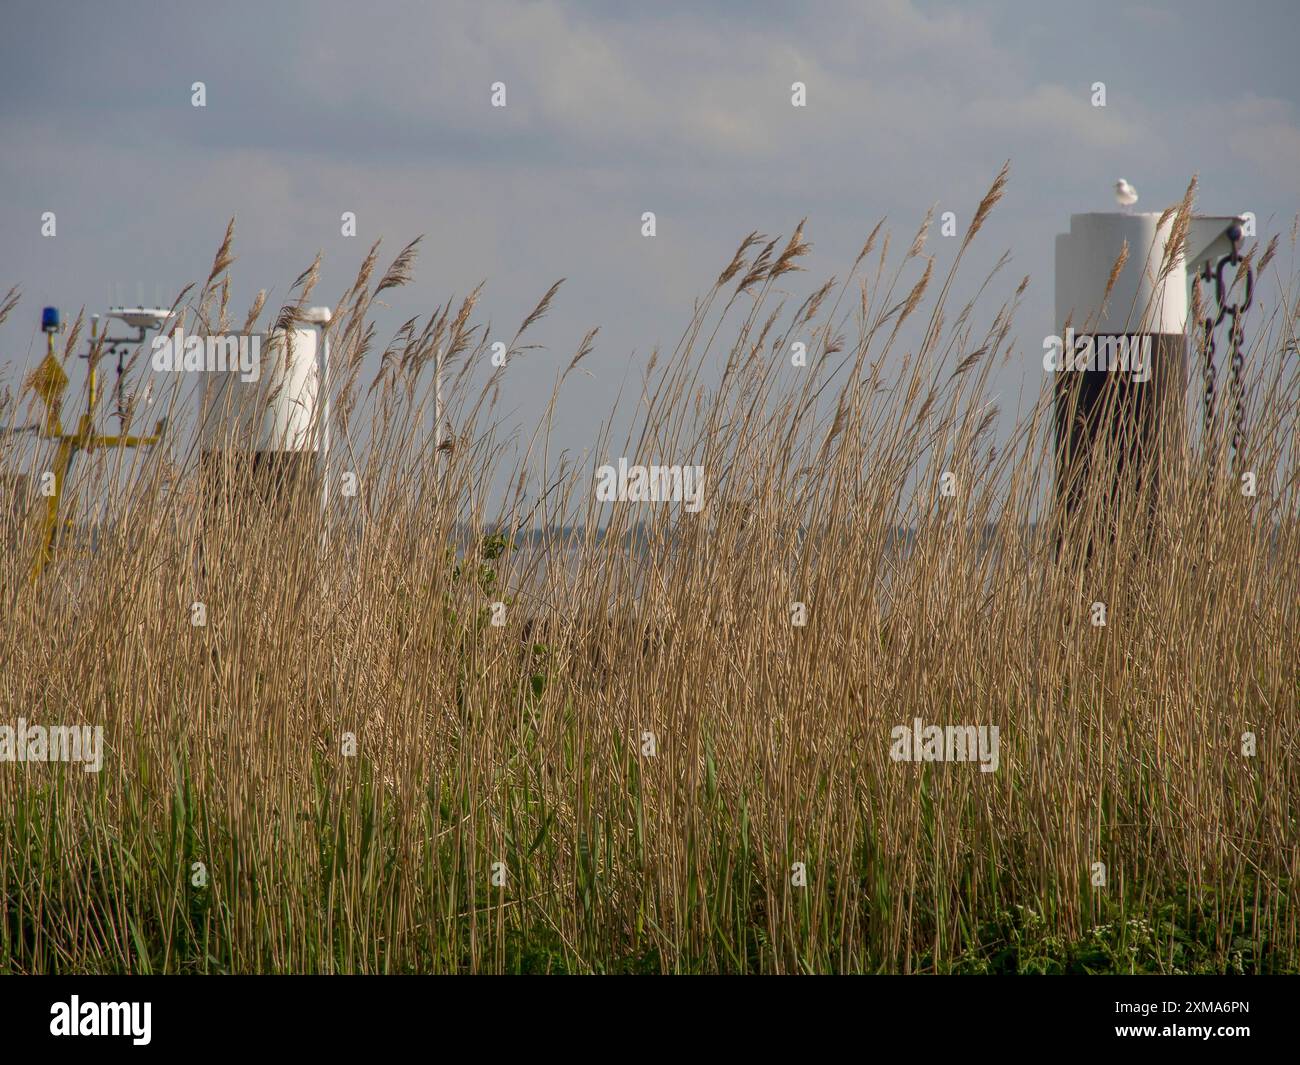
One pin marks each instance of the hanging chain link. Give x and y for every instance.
(1208, 346)
(1236, 344)
(1238, 392)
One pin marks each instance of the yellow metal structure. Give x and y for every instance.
(49, 381)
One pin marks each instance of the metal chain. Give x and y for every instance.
(1207, 274)
(1238, 392)
(1236, 344)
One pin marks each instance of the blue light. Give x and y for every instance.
(50, 320)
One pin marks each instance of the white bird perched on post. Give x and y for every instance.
(1125, 194)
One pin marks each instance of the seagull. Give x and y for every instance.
(1125, 194)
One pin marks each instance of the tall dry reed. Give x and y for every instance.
(648, 746)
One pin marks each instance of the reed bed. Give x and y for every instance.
(648, 765)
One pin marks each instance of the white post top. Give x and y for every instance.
(272, 412)
(1140, 300)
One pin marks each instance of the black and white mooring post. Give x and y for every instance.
(1121, 359)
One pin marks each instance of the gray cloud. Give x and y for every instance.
(682, 109)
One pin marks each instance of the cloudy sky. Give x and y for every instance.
(614, 109)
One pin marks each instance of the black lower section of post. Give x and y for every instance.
(253, 495)
(1118, 427)
(270, 478)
